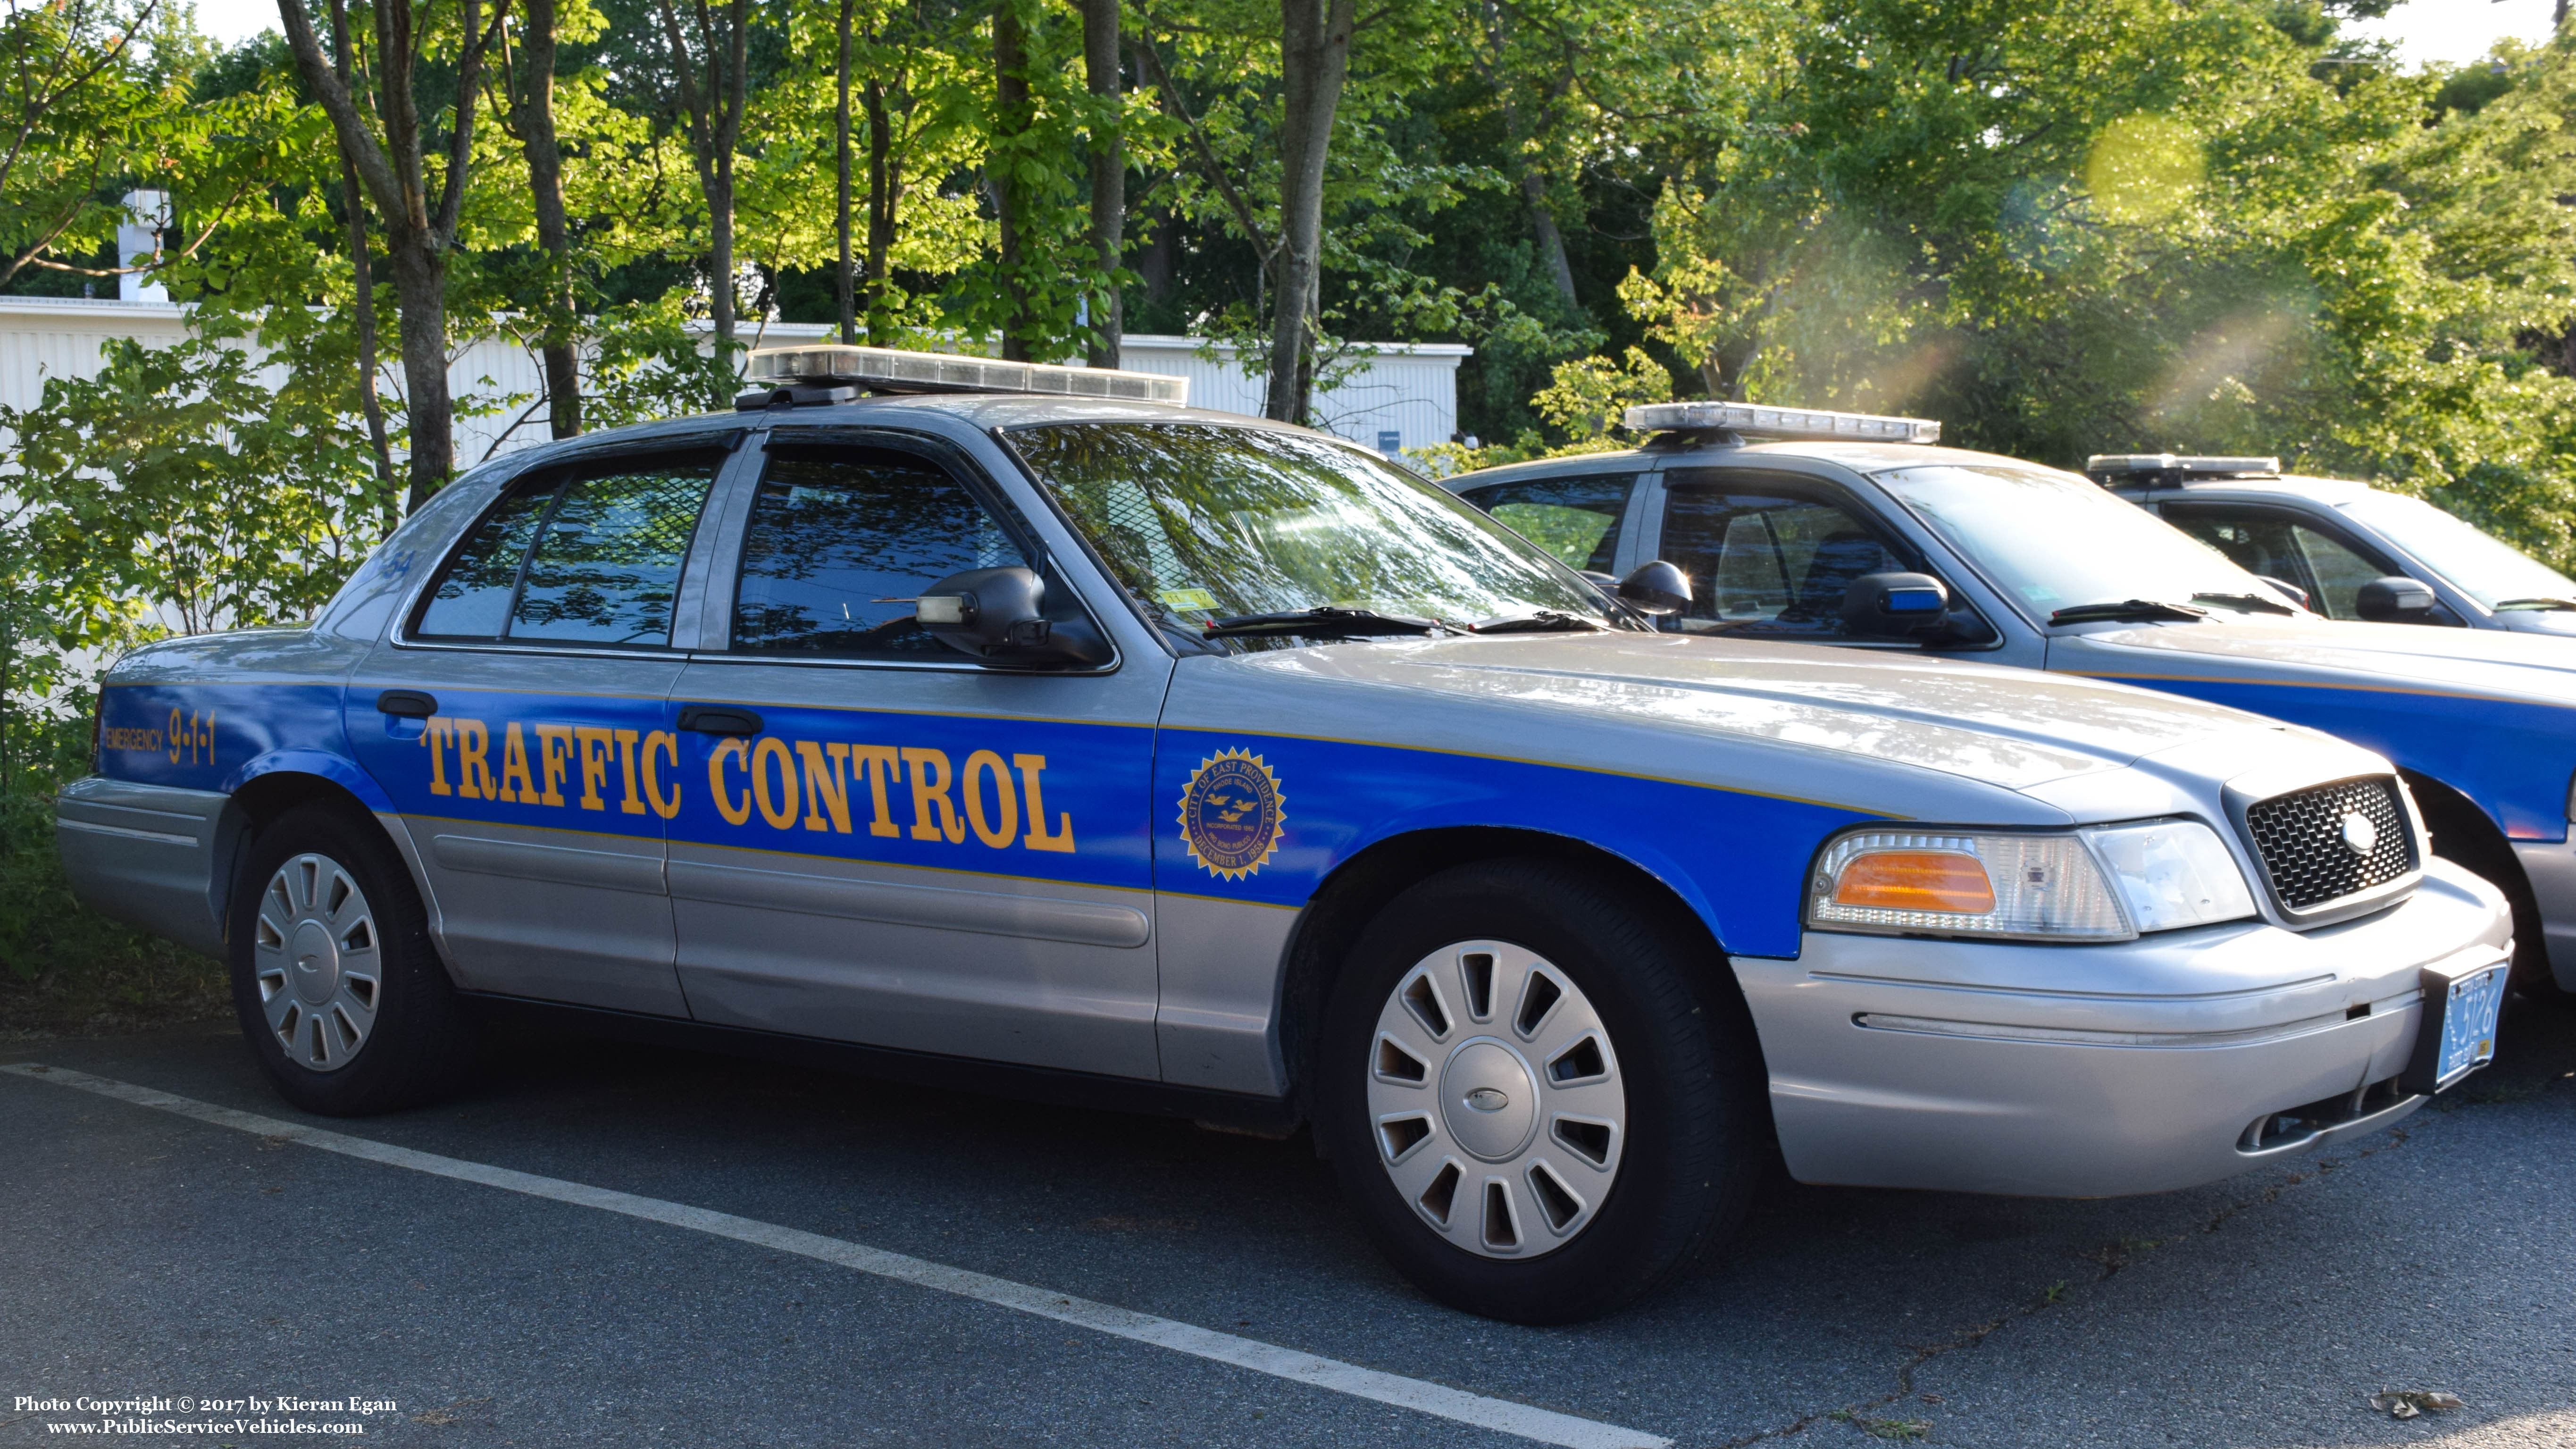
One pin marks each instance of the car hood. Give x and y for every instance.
(2496, 663)
(2010, 727)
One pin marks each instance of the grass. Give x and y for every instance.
(65, 971)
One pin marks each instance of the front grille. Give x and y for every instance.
(2302, 841)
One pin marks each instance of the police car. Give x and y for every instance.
(1011, 727)
(2350, 550)
(1788, 524)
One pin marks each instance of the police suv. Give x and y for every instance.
(2351, 551)
(1789, 524)
(1012, 728)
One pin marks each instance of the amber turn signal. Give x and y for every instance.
(1917, 880)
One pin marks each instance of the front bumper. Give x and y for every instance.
(2099, 1071)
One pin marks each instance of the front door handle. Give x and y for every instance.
(719, 719)
(407, 703)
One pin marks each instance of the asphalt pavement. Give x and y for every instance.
(613, 1245)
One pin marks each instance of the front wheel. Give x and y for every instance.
(334, 978)
(1540, 1091)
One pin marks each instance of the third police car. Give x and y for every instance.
(1009, 727)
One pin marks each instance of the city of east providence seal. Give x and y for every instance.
(1230, 814)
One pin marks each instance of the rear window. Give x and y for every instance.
(589, 554)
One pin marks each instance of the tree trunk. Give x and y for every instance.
(1314, 61)
(885, 189)
(394, 174)
(420, 298)
(715, 125)
(1108, 178)
(362, 280)
(1551, 241)
(554, 236)
(1011, 114)
(845, 290)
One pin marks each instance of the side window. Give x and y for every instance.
(1767, 556)
(2257, 542)
(2264, 542)
(841, 542)
(585, 555)
(2340, 572)
(1577, 519)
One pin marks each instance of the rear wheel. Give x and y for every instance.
(334, 979)
(1541, 1094)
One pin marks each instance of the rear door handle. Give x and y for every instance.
(407, 703)
(719, 719)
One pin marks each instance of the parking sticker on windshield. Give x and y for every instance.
(1231, 815)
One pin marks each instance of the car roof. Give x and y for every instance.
(2321, 490)
(1859, 457)
(927, 411)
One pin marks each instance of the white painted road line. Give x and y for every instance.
(1501, 1415)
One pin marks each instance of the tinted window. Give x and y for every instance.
(1204, 522)
(579, 557)
(472, 600)
(2260, 541)
(842, 542)
(1577, 519)
(1768, 557)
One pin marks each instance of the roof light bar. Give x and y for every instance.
(1770, 422)
(2102, 467)
(883, 369)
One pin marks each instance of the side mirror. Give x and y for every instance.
(1895, 603)
(1657, 590)
(2395, 599)
(999, 616)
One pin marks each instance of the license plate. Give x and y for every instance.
(2469, 1006)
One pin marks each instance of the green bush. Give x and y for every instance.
(63, 968)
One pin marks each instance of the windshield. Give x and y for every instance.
(2478, 564)
(1204, 522)
(2054, 541)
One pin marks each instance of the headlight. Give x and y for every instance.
(2103, 883)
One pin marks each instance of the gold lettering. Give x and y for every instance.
(1007, 800)
(663, 742)
(514, 768)
(174, 734)
(554, 747)
(930, 777)
(733, 812)
(473, 772)
(780, 817)
(826, 785)
(440, 733)
(1032, 766)
(882, 765)
(633, 803)
(594, 747)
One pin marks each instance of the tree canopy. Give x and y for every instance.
(2060, 227)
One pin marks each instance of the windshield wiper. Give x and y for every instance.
(2536, 604)
(2259, 603)
(1324, 623)
(1545, 621)
(2138, 609)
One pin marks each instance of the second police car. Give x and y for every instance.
(1775, 515)
(1085, 745)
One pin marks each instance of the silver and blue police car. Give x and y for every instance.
(1013, 728)
(2351, 551)
(1792, 525)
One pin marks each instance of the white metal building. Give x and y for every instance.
(1398, 395)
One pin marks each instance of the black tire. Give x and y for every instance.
(419, 1039)
(1697, 1134)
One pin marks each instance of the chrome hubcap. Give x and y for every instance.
(317, 962)
(1496, 1099)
